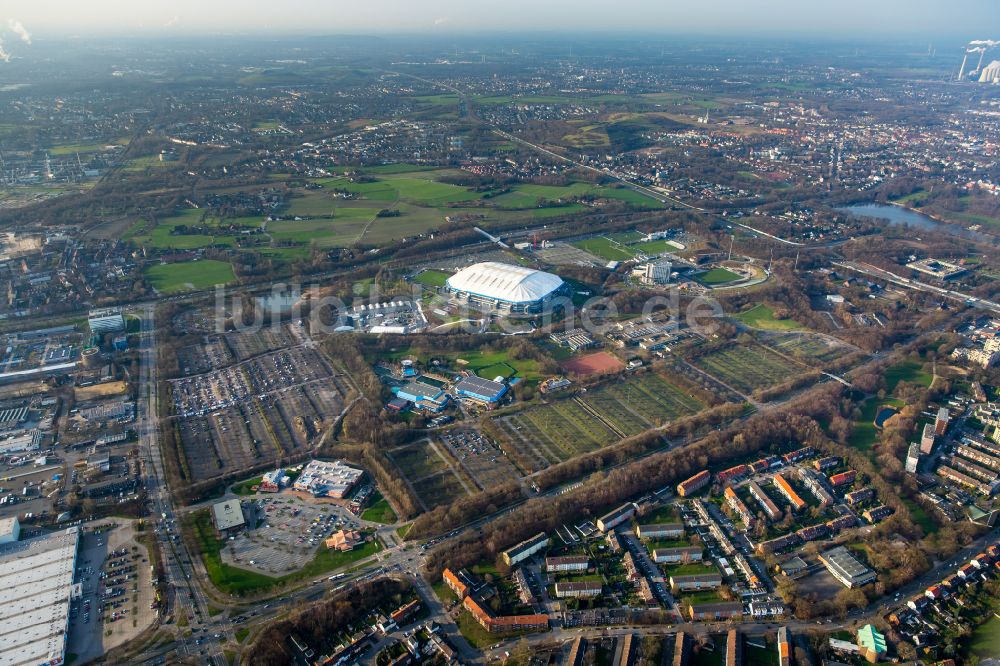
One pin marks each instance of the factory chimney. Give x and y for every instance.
(961, 70)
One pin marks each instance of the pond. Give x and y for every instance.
(898, 215)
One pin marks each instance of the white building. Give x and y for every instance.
(10, 530)
(328, 479)
(228, 515)
(106, 321)
(504, 287)
(653, 273)
(913, 458)
(36, 583)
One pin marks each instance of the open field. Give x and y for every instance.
(553, 433)
(431, 278)
(985, 639)
(907, 371)
(379, 512)
(186, 275)
(430, 472)
(864, 436)
(478, 362)
(746, 369)
(761, 316)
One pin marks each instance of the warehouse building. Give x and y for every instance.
(10, 530)
(845, 568)
(36, 585)
(505, 288)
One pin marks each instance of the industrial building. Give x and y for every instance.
(653, 273)
(328, 479)
(36, 580)
(504, 287)
(228, 515)
(846, 568)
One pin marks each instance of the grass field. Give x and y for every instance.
(864, 435)
(747, 369)
(186, 275)
(717, 276)
(985, 640)
(477, 360)
(907, 371)
(431, 278)
(761, 316)
(605, 248)
(379, 512)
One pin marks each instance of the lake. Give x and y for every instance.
(898, 215)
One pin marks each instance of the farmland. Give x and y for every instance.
(553, 433)
(747, 368)
(809, 347)
(431, 472)
(187, 275)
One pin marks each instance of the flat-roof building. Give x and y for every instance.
(10, 530)
(484, 391)
(108, 320)
(228, 515)
(36, 585)
(846, 568)
(328, 479)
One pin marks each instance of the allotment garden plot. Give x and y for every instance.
(810, 347)
(550, 434)
(274, 406)
(747, 368)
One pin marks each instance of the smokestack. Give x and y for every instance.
(982, 53)
(961, 70)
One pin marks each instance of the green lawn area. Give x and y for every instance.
(985, 640)
(663, 514)
(907, 371)
(717, 276)
(476, 635)
(605, 248)
(241, 634)
(477, 361)
(761, 316)
(629, 196)
(692, 569)
(444, 592)
(234, 580)
(864, 436)
(496, 370)
(921, 517)
(379, 512)
(243, 487)
(432, 278)
(185, 275)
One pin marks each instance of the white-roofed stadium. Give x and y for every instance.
(504, 287)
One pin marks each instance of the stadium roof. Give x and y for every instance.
(36, 581)
(504, 282)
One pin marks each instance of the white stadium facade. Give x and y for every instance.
(503, 287)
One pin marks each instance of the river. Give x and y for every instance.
(904, 216)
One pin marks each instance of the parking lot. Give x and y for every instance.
(289, 532)
(485, 462)
(114, 573)
(270, 406)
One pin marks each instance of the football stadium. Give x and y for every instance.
(505, 288)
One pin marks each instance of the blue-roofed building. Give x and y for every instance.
(424, 395)
(484, 391)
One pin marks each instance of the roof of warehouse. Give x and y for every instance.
(505, 282)
(36, 580)
(479, 386)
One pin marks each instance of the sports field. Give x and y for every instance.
(553, 433)
(747, 368)
(594, 364)
(188, 275)
(431, 278)
(717, 276)
(623, 246)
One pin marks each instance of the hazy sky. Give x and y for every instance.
(959, 18)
